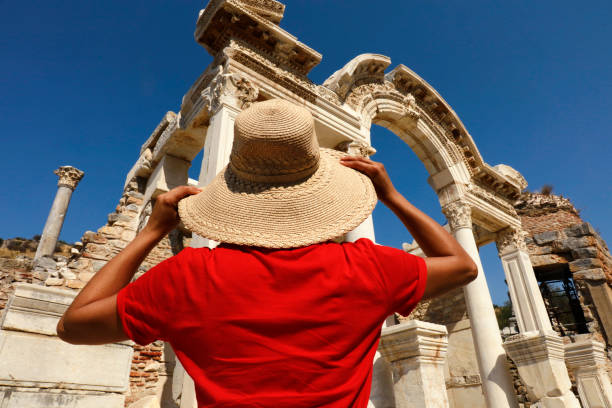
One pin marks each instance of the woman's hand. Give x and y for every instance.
(164, 217)
(376, 172)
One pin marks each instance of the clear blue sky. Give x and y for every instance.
(85, 82)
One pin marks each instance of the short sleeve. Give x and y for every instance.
(404, 276)
(145, 305)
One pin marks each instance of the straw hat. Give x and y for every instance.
(280, 189)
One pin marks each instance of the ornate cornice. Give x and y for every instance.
(224, 20)
(459, 214)
(68, 176)
(275, 72)
(510, 239)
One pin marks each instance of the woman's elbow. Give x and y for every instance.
(471, 271)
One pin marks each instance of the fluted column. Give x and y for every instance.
(69, 177)
(525, 294)
(494, 374)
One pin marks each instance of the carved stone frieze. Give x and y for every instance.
(493, 198)
(268, 9)
(356, 148)
(459, 214)
(328, 95)
(225, 86)
(253, 23)
(68, 176)
(510, 238)
(264, 65)
(363, 94)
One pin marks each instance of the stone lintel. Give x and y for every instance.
(226, 19)
(168, 118)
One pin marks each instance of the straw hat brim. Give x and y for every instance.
(331, 202)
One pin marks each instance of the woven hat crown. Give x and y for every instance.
(274, 142)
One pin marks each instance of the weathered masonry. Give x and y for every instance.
(439, 356)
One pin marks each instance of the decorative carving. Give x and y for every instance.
(492, 197)
(265, 65)
(225, 84)
(69, 176)
(254, 25)
(328, 94)
(356, 148)
(510, 239)
(459, 214)
(268, 9)
(244, 91)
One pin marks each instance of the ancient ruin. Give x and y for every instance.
(448, 353)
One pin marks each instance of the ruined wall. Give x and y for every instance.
(558, 237)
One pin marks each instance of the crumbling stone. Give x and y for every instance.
(585, 263)
(546, 237)
(580, 230)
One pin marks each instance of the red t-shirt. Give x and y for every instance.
(257, 327)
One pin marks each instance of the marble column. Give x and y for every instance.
(588, 362)
(492, 364)
(417, 352)
(540, 362)
(69, 177)
(217, 149)
(525, 294)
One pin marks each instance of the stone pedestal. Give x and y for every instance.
(587, 361)
(540, 362)
(496, 380)
(525, 294)
(69, 177)
(38, 370)
(416, 351)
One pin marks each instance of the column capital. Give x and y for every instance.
(459, 214)
(68, 176)
(510, 239)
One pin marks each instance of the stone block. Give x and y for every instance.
(110, 232)
(601, 294)
(584, 253)
(86, 276)
(170, 172)
(544, 260)
(579, 230)
(45, 262)
(75, 284)
(36, 309)
(82, 264)
(585, 263)
(48, 362)
(546, 237)
(54, 282)
(570, 244)
(596, 275)
(97, 265)
(41, 399)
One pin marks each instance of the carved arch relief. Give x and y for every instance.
(408, 106)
